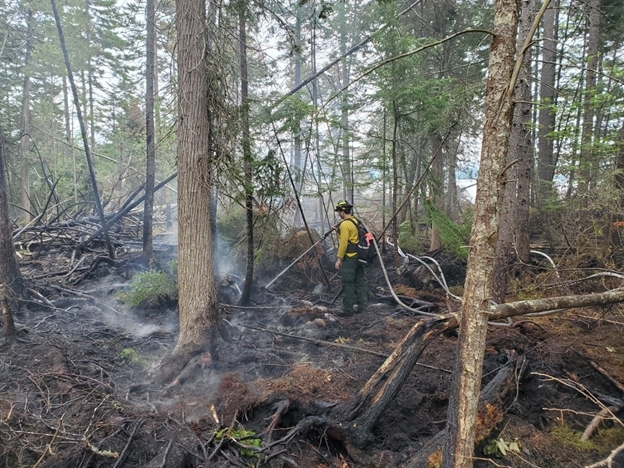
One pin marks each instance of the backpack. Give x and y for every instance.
(365, 248)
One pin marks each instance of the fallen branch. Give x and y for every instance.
(595, 422)
(312, 340)
(124, 453)
(48, 448)
(610, 378)
(500, 311)
(122, 213)
(280, 411)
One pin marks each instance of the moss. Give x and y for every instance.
(607, 438)
(131, 356)
(572, 438)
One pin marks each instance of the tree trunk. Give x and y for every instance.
(615, 239)
(298, 167)
(150, 169)
(548, 99)
(347, 170)
(395, 184)
(67, 116)
(25, 212)
(8, 325)
(437, 171)
(316, 136)
(247, 157)
(91, 105)
(452, 200)
(460, 434)
(213, 105)
(518, 159)
(83, 130)
(587, 163)
(198, 310)
(10, 275)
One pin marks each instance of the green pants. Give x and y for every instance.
(353, 284)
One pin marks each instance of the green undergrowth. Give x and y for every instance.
(131, 356)
(152, 286)
(246, 442)
(454, 236)
(572, 438)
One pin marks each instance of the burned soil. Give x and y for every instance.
(77, 390)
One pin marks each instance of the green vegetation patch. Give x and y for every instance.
(151, 286)
(572, 438)
(245, 440)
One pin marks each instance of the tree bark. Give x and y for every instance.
(198, 310)
(247, 157)
(548, 99)
(25, 213)
(7, 313)
(512, 309)
(587, 162)
(150, 169)
(518, 164)
(10, 275)
(460, 434)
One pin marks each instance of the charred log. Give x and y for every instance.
(489, 414)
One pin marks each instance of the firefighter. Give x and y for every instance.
(351, 270)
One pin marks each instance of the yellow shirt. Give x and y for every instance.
(347, 233)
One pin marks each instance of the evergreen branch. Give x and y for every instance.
(402, 56)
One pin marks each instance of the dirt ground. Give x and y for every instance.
(75, 389)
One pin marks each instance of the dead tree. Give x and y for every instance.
(83, 130)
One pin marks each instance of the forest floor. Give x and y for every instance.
(75, 388)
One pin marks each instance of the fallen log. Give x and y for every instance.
(386, 382)
(512, 309)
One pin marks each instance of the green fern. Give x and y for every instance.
(151, 285)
